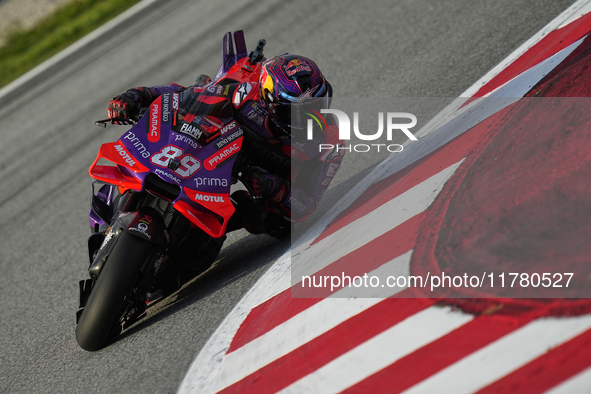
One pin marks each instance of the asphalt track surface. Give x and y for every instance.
(374, 48)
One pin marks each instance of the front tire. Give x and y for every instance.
(107, 299)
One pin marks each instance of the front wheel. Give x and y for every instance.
(107, 299)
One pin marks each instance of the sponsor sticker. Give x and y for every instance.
(215, 89)
(142, 229)
(221, 156)
(191, 130)
(294, 63)
(296, 204)
(186, 140)
(229, 127)
(223, 141)
(208, 197)
(124, 154)
(154, 123)
(307, 94)
(298, 69)
(210, 182)
(256, 116)
(241, 93)
(332, 169)
(137, 144)
(167, 175)
(166, 108)
(175, 101)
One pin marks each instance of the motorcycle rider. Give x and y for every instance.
(286, 168)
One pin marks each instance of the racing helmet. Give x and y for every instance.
(290, 83)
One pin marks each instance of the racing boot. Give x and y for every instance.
(248, 215)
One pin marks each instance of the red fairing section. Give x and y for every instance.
(118, 154)
(222, 155)
(217, 205)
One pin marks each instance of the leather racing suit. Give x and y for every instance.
(305, 171)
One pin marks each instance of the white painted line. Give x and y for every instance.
(367, 228)
(81, 43)
(204, 369)
(455, 120)
(571, 13)
(298, 331)
(578, 384)
(400, 266)
(522, 83)
(449, 124)
(470, 115)
(380, 351)
(578, 13)
(507, 354)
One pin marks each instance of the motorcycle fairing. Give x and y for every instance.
(194, 151)
(151, 145)
(117, 153)
(144, 223)
(229, 58)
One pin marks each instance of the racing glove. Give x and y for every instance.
(264, 184)
(251, 215)
(129, 104)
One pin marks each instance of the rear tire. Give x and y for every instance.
(117, 279)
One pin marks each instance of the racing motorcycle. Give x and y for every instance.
(169, 174)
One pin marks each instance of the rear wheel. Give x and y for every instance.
(108, 299)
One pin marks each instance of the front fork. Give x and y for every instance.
(101, 212)
(145, 223)
(103, 206)
(109, 218)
